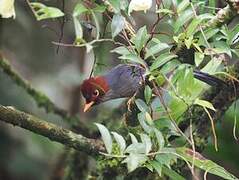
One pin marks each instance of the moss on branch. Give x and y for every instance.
(41, 99)
(49, 130)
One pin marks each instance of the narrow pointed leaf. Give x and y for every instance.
(140, 38)
(79, 9)
(156, 49)
(160, 138)
(157, 166)
(205, 164)
(161, 60)
(106, 137)
(147, 94)
(143, 107)
(135, 160)
(147, 142)
(117, 24)
(204, 103)
(120, 141)
(142, 121)
(133, 138)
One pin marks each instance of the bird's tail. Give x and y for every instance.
(209, 79)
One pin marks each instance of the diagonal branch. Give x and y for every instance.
(51, 131)
(41, 99)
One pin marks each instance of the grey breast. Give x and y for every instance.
(124, 80)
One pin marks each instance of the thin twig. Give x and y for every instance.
(158, 93)
(62, 26)
(213, 128)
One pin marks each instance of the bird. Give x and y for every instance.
(125, 80)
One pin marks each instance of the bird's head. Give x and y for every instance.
(93, 90)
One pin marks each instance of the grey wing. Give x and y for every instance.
(125, 80)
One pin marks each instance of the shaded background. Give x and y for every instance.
(27, 44)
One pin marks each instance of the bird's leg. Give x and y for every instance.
(130, 101)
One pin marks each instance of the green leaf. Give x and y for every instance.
(116, 5)
(236, 52)
(142, 120)
(156, 49)
(198, 58)
(141, 105)
(222, 47)
(117, 24)
(212, 66)
(44, 12)
(184, 17)
(204, 103)
(120, 141)
(166, 158)
(233, 36)
(133, 58)
(182, 6)
(160, 138)
(121, 50)
(172, 174)
(99, 8)
(161, 60)
(106, 137)
(133, 138)
(140, 38)
(147, 142)
(147, 94)
(193, 26)
(79, 9)
(212, 3)
(205, 164)
(157, 166)
(177, 106)
(191, 29)
(188, 42)
(149, 167)
(135, 160)
(78, 30)
(208, 34)
(136, 148)
(166, 124)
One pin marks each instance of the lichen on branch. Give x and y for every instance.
(55, 133)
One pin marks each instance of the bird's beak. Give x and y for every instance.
(88, 106)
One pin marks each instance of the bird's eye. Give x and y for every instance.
(96, 93)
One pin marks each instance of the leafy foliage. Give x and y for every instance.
(181, 40)
(164, 62)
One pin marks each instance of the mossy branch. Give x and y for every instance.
(41, 99)
(51, 131)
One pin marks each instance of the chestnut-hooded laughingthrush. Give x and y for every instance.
(123, 81)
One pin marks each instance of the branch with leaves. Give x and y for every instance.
(196, 38)
(94, 147)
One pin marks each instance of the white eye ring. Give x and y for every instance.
(96, 93)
